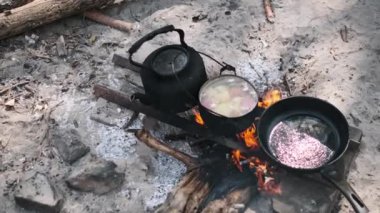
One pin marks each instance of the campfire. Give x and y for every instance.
(226, 110)
(216, 182)
(261, 169)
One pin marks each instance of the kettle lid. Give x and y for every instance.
(170, 61)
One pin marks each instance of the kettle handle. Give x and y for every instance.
(150, 36)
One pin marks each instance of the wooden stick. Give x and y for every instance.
(40, 12)
(269, 11)
(13, 86)
(99, 17)
(152, 142)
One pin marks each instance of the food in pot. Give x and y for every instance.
(298, 149)
(230, 96)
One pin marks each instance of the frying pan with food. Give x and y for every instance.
(305, 135)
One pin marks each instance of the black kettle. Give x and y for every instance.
(171, 75)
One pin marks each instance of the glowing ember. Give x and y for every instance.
(198, 117)
(270, 97)
(263, 172)
(236, 157)
(249, 137)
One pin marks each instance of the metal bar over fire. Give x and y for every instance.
(171, 119)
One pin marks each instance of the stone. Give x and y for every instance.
(10, 104)
(97, 177)
(37, 194)
(69, 145)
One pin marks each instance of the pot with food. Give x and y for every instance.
(227, 104)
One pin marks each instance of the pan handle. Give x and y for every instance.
(345, 188)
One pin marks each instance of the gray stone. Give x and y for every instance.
(97, 177)
(69, 145)
(37, 194)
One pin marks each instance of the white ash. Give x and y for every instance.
(168, 172)
(297, 149)
(115, 142)
(260, 73)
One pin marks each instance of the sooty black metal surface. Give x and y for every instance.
(309, 193)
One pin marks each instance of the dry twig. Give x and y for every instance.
(287, 86)
(99, 17)
(13, 86)
(268, 11)
(344, 33)
(102, 121)
(47, 128)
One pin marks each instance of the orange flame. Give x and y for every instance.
(270, 97)
(198, 117)
(265, 183)
(263, 172)
(236, 157)
(249, 138)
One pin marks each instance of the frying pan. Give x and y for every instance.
(335, 138)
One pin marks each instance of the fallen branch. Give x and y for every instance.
(99, 17)
(268, 11)
(13, 86)
(152, 142)
(40, 12)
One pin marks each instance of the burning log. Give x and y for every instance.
(40, 12)
(206, 187)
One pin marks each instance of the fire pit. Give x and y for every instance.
(237, 162)
(242, 179)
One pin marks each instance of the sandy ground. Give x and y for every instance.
(304, 44)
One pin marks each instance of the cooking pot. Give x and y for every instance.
(306, 135)
(227, 103)
(171, 75)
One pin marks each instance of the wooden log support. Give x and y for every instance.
(39, 12)
(171, 119)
